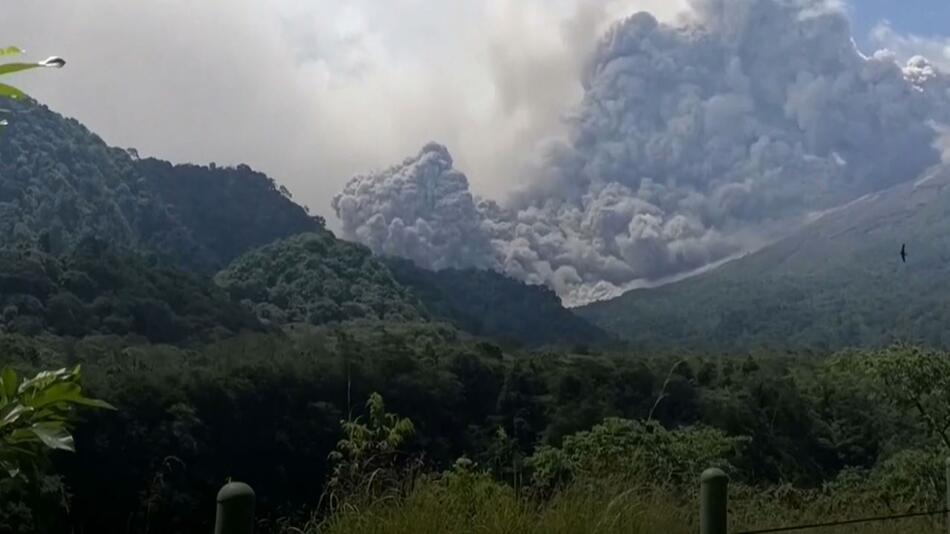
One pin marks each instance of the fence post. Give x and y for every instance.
(713, 501)
(947, 500)
(235, 512)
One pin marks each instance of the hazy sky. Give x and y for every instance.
(313, 91)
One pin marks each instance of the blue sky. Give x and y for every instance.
(927, 18)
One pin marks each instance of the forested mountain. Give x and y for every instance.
(228, 210)
(57, 177)
(839, 282)
(61, 185)
(490, 304)
(315, 278)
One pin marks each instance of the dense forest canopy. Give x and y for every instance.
(98, 290)
(228, 210)
(316, 278)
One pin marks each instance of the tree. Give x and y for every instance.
(622, 447)
(916, 379)
(35, 416)
(366, 460)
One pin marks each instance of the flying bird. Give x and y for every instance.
(904, 252)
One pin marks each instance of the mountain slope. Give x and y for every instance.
(62, 186)
(837, 282)
(316, 278)
(59, 180)
(490, 304)
(227, 210)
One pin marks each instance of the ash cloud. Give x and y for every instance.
(421, 210)
(693, 142)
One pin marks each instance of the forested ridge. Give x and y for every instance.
(230, 210)
(59, 179)
(61, 186)
(315, 278)
(490, 304)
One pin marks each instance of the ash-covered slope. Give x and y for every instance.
(838, 282)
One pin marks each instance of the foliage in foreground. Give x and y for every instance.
(365, 461)
(8, 91)
(471, 502)
(35, 416)
(629, 477)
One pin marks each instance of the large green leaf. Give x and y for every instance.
(13, 415)
(44, 379)
(65, 393)
(9, 68)
(35, 415)
(11, 92)
(54, 435)
(8, 384)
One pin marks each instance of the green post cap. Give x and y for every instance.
(235, 490)
(715, 474)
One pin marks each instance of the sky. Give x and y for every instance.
(315, 91)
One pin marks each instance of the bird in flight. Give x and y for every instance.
(904, 252)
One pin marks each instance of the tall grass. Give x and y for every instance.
(474, 504)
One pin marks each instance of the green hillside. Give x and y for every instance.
(839, 282)
(60, 179)
(316, 278)
(60, 184)
(489, 304)
(227, 210)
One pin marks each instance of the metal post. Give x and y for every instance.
(713, 500)
(235, 513)
(947, 503)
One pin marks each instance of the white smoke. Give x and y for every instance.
(692, 143)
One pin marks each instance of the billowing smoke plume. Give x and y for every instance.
(692, 143)
(421, 210)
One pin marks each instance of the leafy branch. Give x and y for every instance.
(11, 92)
(35, 414)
